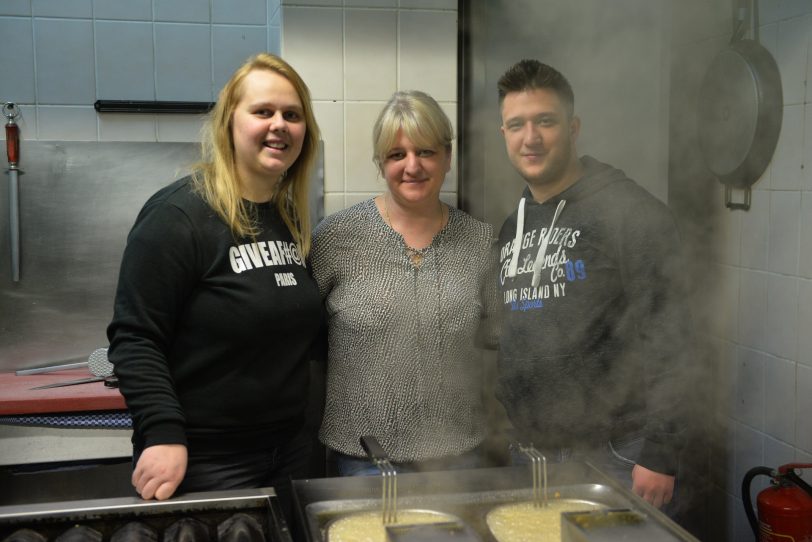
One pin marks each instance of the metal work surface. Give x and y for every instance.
(106, 516)
(470, 495)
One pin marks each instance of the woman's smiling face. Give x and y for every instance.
(415, 174)
(268, 128)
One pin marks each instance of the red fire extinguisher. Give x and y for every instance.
(784, 508)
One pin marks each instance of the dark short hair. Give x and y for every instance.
(531, 74)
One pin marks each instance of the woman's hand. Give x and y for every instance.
(159, 471)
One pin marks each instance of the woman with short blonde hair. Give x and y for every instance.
(403, 278)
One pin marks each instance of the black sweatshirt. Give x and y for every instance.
(210, 335)
(598, 346)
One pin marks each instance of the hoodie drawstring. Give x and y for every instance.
(517, 240)
(539, 263)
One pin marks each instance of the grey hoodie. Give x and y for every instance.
(594, 330)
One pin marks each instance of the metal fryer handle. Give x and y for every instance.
(373, 449)
(389, 489)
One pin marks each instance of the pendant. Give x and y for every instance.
(415, 257)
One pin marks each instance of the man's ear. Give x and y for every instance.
(575, 127)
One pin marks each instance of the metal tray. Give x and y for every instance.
(469, 495)
(402, 530)
(471, 508)
(108, 515)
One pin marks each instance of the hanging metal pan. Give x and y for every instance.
(740, 112)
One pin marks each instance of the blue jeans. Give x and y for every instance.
(348, 465)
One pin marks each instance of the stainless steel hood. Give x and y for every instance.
(78, 201)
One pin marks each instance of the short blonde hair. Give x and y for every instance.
(420, 117)
(216, 177)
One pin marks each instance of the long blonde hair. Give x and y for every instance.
(216, 178)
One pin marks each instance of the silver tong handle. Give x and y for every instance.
(97, 362)
(51, 368)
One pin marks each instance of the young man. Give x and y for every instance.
(593, 331)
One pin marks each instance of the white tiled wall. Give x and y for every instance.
(60, 56)
(765, 325)
(354, 54)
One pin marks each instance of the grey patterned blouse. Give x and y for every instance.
(402, 363)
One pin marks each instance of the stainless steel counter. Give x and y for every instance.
(107, 516)
(470, 494)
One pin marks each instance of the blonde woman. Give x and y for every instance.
(215, 310)
(402, 275)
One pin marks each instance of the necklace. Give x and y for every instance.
(414, 255)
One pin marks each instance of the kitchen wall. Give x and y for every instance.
(753, 268)
(60, 56)
(620, 97)
(354, 54)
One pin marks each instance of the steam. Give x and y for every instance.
(636, 69)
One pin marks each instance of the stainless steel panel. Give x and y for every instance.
(611, 526)
(470, 495)
(108, 515)
(78, 201)
(471, 507)
(316, 199)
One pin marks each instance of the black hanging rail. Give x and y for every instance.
(131, 106)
